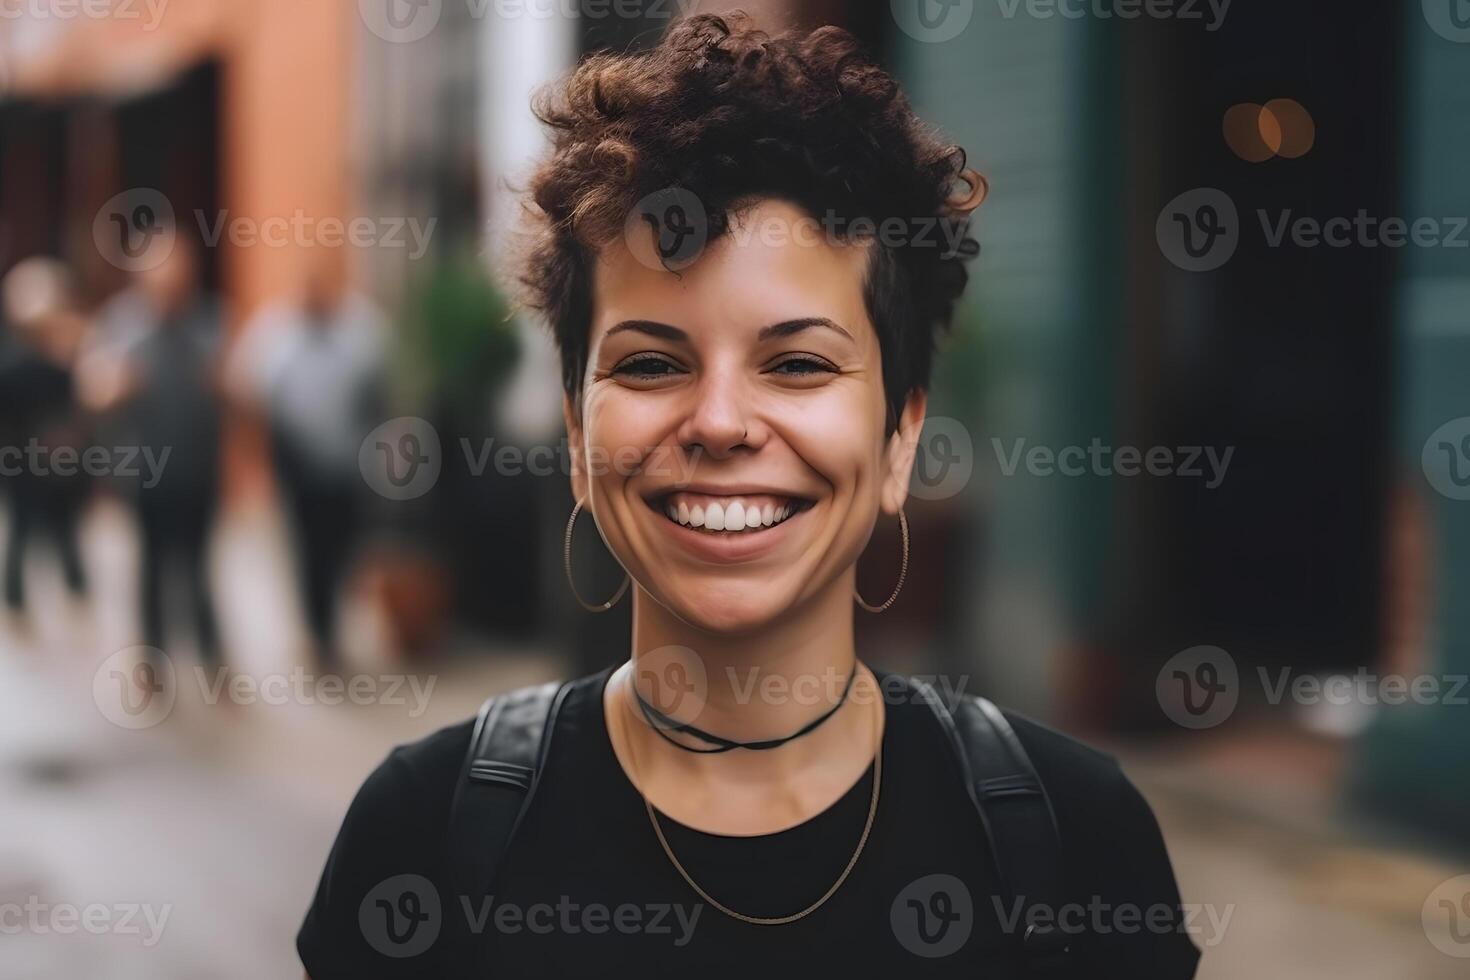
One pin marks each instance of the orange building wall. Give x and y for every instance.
(287, 70)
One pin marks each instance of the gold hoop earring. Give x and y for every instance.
(567, 562)
(903, 570)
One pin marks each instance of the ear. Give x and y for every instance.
(575, 450)
(903, 444)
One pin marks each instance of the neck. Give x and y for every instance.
(756, 685)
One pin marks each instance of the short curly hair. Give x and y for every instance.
(732, 115)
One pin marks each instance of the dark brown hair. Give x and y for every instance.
(732, 115)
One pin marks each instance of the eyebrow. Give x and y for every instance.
(786, 328)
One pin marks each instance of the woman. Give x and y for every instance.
(745, 247)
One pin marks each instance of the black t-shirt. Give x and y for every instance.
(586, 890)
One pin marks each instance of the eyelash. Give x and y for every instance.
(814, 365)
(632, 366)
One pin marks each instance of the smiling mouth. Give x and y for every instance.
(734, 514)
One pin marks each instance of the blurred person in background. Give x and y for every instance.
(156, 379)
(314, 368)
(39, 416)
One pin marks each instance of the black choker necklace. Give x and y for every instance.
(663, 724)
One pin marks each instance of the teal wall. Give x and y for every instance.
(1415, 761)
(1039, 330)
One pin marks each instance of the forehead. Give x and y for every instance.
(776, 263)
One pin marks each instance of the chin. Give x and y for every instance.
(717, 610)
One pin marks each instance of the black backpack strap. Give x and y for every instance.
(1019, 823)
(497, 783)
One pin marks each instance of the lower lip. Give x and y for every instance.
(734, 546)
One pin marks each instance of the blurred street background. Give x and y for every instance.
(282, 471)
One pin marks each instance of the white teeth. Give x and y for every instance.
(732, 515)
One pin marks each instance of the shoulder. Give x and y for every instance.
(393, 837)
(1114, 853)
(1090, 792)
(413, 788)
(1065, 762)
(397, 814)
(1101, 816)
(1078, 778)
(423, 770)
(390, 838)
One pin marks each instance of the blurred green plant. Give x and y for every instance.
(460, 342)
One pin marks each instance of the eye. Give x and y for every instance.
(803, 366)
(646, 367)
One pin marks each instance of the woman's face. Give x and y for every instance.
(731, 437)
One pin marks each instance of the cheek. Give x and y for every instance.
(621, 428)
(840, 437)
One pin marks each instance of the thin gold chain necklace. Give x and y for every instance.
(754, 919)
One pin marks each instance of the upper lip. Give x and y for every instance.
(727, 490)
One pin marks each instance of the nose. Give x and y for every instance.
(720, 419)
